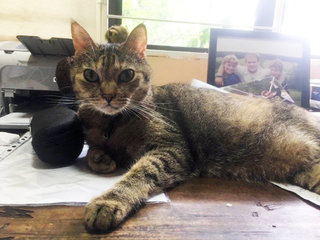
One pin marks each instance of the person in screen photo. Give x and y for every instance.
(276, 71)
(277, 84)
(252, 71)
(226, 73)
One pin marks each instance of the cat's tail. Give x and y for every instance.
(308, 178)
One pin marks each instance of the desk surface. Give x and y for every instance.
(199, 209)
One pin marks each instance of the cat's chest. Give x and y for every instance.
(127, 136)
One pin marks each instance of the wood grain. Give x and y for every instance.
(199, 209)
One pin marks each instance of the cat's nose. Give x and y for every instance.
(108, 97)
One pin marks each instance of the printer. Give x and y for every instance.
(27, 68)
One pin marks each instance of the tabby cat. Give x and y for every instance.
(168, 134)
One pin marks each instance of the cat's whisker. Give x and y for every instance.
(146, 107)
(163, 108)
(124, 112)
(60, 104)
(135, 113)
(151, 113)
(131, 112)
(57, 99)
(142, 111)
(150, 106)
(155, 105)
(161, 117)
(64, 104)
(57, 96)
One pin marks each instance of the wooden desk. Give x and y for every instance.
(199, 209)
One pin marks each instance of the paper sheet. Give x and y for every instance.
(305, 194)
(25, 180)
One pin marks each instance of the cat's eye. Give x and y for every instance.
(90, 75)
(126, 75)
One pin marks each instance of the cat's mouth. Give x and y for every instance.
(109, 108)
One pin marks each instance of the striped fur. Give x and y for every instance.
(166, 135)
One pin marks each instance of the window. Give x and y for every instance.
(301, 18)
(186, 23)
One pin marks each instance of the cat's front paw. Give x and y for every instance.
(99, 161)
(103, 215)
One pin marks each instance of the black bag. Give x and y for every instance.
(57, 136)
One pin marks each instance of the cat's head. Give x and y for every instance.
(111, 77)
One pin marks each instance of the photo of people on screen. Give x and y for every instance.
(231, 72)
(246, 71)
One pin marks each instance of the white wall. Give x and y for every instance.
(46, 18)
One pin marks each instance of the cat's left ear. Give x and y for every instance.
(137, 40)
(81, 38)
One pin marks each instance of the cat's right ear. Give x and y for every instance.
(81, 38)
(137, 40)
